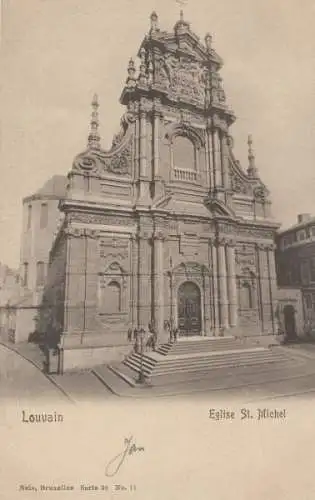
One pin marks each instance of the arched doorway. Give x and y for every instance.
(189, 309)
(289, 322)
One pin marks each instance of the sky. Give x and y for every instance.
(56, 53)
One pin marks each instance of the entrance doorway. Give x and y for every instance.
(289, 322)
(189, 309)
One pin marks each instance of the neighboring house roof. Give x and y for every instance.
(299, 225)
(54, 188)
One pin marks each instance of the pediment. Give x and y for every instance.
(218, 208)
(210, 207)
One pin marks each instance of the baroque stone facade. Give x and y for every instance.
(166, 225)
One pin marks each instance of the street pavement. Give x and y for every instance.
(21, 376)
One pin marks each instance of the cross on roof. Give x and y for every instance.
(182, 3)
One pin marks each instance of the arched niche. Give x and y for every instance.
(113, 290)
(247, 290)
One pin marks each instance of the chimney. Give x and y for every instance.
(303, 218)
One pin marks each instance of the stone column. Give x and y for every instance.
(156, 157)
(91, 279)
(134, 280)
(232, 289)
(214, 289)
(264, 290)
(144, 195)
(158, 187)
(208, 162)
(210, 159)
(272, 282)
(225, 162)
(158, 239)
(144, 281)
(217, 159)
(143, 138)
(223, 299)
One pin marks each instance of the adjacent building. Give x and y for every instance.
(40, 224)
(166, 226)
(295, 259)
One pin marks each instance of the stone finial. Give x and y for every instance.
(154, 21)
(142, 71)
(208, 42)
(181, 25)
(94, 140)
(252, 170)
(131, 73)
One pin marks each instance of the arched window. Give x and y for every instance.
(40, 274)
(183, 153)
(113, 297)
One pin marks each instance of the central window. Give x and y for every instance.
(184, 156)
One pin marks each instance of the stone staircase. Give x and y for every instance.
(199, 356)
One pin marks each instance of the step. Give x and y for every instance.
(156, 358)
(202, 369)
(200, 363)
(199, 346)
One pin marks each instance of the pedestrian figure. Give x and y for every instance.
(135, 334)
(175, 334)
(129, 334)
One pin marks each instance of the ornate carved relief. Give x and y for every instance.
(118, 161)
(182, 76)
(260, 193)
(255, 233)
(115, 248)
(245, 259)
(239, 185)
(78, 232)
(190, 271)
(114, 220)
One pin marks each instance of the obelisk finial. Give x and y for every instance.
(252, 170)
(94, 140)
(154, 21)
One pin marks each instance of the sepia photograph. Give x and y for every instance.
(157, 257)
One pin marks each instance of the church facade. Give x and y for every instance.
(166, 226)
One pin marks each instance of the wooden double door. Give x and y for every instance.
(189, 309)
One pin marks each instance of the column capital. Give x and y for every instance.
(231, 242)
(224, 241)
(266, 246)
(158, 235)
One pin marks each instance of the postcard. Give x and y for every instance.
(157, 257)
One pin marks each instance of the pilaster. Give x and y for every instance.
(144, 181)
(144, 280)
(134, 281)
(222, 282)
(158, 243)
(272, 282)
(231, 282)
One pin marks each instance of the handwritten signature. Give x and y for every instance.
(115, 463)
